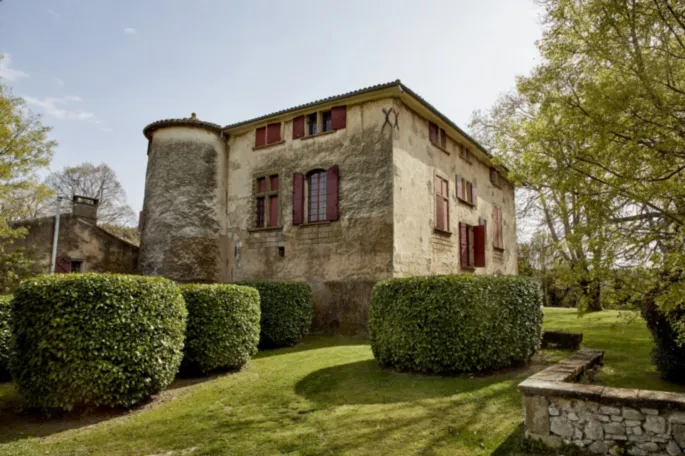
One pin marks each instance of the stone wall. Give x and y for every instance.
(601, 419)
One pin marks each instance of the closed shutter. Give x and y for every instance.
(439, 213)
(260, 137)
(63, 265)
(463, 245)
(443, 139)
(273, 133)
(273, 210)
(432, 132)
(298, 198)
(298, 127)
(479, 246)
(332, 177)
(339, 117)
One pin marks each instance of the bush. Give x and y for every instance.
(669, 353)
(457, 323)
(95, 339)
(287, 312)
(5, 337)
(223, 327)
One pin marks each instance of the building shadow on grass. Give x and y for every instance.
(365, 382)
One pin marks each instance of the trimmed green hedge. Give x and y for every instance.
(287, 312)
(95, 339)
(223, 327)
(456, 323)
(5, 337)
(669, 353)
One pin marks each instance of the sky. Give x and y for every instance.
(98, 71)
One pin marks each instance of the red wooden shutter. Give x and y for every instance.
(63, 265)
(260, 137)
(339, 117)
(432, 132)
(463, 245)
(479, 246)
(443, 139)
(273, 133)
(298, 198)
(273, 210)
(439, 213)
(298, 127)
(332, 193)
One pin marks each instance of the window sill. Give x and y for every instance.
(266, 146)
(323, 133)
(264, 228)
(498, 249)
(466, 203)
(442, 232)
(440, 147)
(470, 162)
(324, 222)
(468, 268)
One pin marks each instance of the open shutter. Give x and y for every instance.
(63, 265)
(432, 132)
(463, 245)
(332, 176)
(298, 127)
(479, 246)
(443, 139)
(298, 198)
(339, 117)
(260, 137)
(273, 133)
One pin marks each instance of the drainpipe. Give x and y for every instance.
(55, 237)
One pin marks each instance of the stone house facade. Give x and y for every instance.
(82, 245)
(341, 193)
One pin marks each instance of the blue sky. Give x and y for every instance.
(98, 71)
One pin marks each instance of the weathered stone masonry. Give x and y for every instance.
(200, 210)
(601, 419)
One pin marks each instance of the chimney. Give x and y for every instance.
(85, 208)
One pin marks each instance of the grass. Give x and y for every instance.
(328, 397)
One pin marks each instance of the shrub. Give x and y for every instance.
(457, 323)
(669, 353)
(4, 337)
(95, 339)
(287, 312)
(223, 327)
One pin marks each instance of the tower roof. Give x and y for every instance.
(191, 121)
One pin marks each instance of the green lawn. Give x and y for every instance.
(328, 396)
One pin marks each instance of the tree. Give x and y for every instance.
(600, 123)
(24, 149)
(95, 181)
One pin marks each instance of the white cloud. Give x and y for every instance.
(8, 73)
(51, 107)
(59, 82)
(130, 31)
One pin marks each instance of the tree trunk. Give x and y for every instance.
(592, 291)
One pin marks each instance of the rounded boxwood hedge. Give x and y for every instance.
(223, 327)
(95, 339)
(4, 337)
(455, 323)
(287, 312)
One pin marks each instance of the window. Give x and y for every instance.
(320, 122)
(327, 121)
(312, 123)
(495, 177)
(321, 193)
(437, 136)
(466, 191)
(266, 201)
(317, 196)
(498, 238)
(471, 245)
(465, 153)
(442, 210)
(269, 134)
(76, 266)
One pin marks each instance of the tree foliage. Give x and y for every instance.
(95, 181)
(597, 134)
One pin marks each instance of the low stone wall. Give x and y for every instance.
(601, 419)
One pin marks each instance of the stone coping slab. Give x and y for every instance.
(557, 381)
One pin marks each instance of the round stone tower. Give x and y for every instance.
(183, 221)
